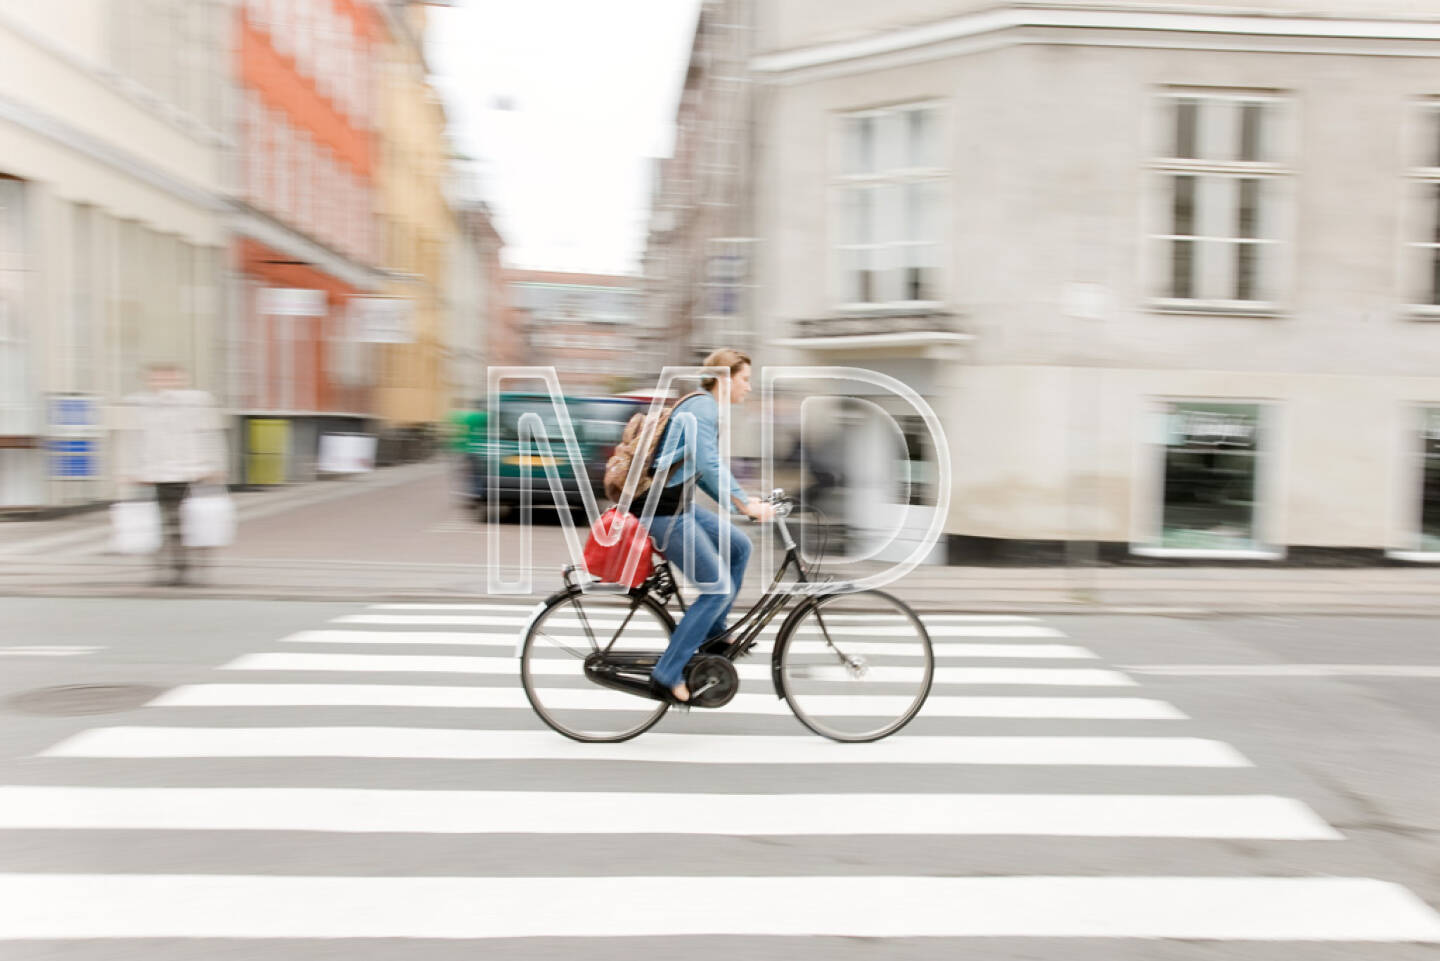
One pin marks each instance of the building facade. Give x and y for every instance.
(477, 295)
(414, 390)
(113, 141)
(700, 249)
(1169, 278)
(584, 325)
(307, 238)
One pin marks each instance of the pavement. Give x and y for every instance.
(225, 779)
(401, 533)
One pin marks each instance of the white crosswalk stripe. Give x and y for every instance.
(495, 812)
(944, 647)
(460, 744)
(279, 750)
(935, 629)
(509, 666)
(418, 695)
(196, 906)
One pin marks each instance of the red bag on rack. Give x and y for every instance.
(608, 563)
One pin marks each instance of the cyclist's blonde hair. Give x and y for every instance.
(724, 357)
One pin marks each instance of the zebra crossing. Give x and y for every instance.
(391, 762)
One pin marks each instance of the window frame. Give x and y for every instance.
(1422, 120)
(896, 178)
(1157, 216)
(1408, 519)
(1148, 507)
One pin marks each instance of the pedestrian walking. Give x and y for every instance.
(171, 439)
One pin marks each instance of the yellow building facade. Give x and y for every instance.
(419, 224)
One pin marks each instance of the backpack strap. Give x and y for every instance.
(665, 429)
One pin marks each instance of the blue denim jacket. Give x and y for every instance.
(703, 435)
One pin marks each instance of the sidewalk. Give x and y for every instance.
(399, 534)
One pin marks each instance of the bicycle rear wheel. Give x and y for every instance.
(855, 667)
(572, 627)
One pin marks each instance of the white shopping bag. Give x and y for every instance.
(135, 527)
(207, 518)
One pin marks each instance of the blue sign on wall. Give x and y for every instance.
(73, 411)
(71, 459)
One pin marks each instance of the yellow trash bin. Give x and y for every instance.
(268, 454)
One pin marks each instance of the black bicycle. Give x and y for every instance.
(851, 665)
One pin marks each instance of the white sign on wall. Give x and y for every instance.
(292, 302)
(346, 453)
(381, 320)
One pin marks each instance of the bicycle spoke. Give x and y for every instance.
(855, 679)
(554, 657)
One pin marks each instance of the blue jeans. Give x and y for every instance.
(700, 561)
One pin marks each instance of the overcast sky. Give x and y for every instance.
(563, 102)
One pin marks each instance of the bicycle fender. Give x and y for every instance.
(784, 632)
(535, 612)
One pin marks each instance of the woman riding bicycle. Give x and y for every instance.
(689, 535)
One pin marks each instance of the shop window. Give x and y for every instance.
(1211, 476)
(915, 469)
(1430, 484)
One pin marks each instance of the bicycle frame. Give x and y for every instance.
(739, 636)
(630, 671)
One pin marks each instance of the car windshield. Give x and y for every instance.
(604, 422)
(511, 412)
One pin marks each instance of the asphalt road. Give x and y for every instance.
(1254, 788)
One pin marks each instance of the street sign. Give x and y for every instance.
(72, 430)
(72, 459)
(292, 302)
(381, 320)
(73, 415)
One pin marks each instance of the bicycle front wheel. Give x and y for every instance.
(855, 667)
(571, 628)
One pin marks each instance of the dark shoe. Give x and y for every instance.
(716, 645)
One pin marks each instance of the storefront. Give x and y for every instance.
(21, 475)
(299, 371)
(1211, 461)
(1428, 525)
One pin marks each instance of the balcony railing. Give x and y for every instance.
(878, 323)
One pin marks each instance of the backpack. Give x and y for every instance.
(617, 468)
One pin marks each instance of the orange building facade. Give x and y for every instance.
(307, 236)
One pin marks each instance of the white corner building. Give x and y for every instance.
(1168, 272)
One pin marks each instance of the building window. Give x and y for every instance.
(305, 195)
(1430, 482)
(284, 158)
(1221, 195)
(254, 149)
(324, 166)
(305, 37)
(282, 26)
(891, 194)
(726, 270)
(344, 54)
(83, 329)
(326, 51)
(1212, 456)
(1422, 260)
(15, 399)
